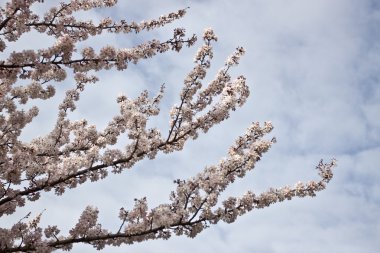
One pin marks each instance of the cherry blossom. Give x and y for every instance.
(75, 152)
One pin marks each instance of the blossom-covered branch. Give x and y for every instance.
(194, 205)
(59, 21)
(75, 152)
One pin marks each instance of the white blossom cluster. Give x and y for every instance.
(75, 151)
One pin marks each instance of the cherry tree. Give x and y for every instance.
(76, 152)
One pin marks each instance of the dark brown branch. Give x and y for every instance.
(183, 101)
(83, 60)
(89, 239)
(83, 172)
(5, 21)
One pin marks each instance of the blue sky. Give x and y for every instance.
(313, 69)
